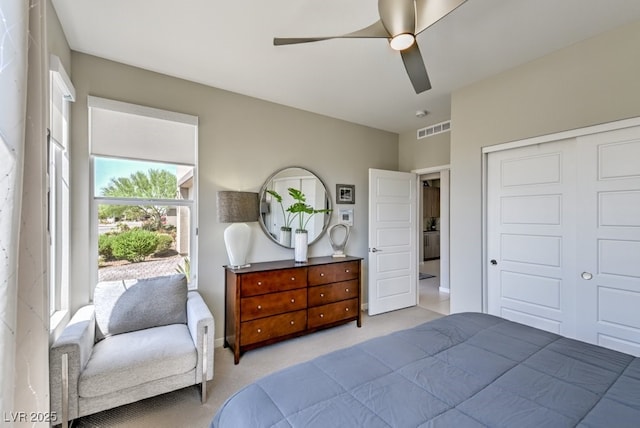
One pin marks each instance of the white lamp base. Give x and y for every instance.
(237, 238)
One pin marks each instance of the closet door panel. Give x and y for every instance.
(563, 237)
(608, 255)
(531, 235)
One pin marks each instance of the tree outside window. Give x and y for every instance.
(141, 220)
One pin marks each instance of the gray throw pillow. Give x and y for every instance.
(130, 305)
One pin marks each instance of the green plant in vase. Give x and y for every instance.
(287, 217)
(301, 209)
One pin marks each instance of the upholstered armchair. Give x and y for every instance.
(138, 339)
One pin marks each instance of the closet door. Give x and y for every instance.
(608, 245)
(531, 235)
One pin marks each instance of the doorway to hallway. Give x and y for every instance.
(433, 282)
(430, 296)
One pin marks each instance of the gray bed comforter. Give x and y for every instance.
(463, 370)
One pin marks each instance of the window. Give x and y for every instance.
(61, 93)
(143, 192)
(144, 216)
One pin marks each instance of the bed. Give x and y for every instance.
(463, 370)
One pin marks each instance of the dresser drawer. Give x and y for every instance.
(272, 304)
(272, 327)
(276, 280)
(323, 294)
(335, 272)
(327, 314)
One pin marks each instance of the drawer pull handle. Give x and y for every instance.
(322, 274)
(321, 315)
(347, 270)
(293, 300)
(259, 306)
(321, 294)
(346, 309)
(293, 278)
(259, 330)
(346, 289)
(259, 282)
(293, 322)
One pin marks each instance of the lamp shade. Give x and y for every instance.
(238, 207)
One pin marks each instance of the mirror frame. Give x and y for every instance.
(327, 216)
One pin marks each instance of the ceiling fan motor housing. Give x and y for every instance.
(398, 16)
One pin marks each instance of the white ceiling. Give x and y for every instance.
(229, 45)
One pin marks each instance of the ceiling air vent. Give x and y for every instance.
(438, 128)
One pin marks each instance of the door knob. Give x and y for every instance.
(375, 250)
(494, 262)
(586, 275)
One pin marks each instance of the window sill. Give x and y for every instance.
(57, 322)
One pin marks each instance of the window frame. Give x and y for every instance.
(106, 200)
(96, 200)
(61, 93)
(58, 225)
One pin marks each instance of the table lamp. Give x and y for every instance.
(237, 208)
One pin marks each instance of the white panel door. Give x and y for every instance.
(393, 231)
(609, 240)
(531, 235)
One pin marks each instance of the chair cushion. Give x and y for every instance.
(131, 359)
(136, 304)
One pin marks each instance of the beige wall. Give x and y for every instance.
(424, 153)
(242, 141)
(56, 40)
(591, 82)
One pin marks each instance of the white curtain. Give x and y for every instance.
(23, 109)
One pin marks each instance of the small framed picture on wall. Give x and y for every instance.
(345, 194)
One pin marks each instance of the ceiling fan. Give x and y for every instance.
(400, 22)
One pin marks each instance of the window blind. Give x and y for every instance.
(131, 131)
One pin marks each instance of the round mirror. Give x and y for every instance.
(277, 220)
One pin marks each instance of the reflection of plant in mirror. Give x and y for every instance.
(287, 216)
(300, 208)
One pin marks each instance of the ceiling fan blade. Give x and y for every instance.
(281, 41)
(416, 70)
(428, 12)
(398, 16)
(373, 31)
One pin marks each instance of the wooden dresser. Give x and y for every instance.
(273, 301)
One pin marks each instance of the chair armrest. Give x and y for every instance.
(76, 341)
(199, 320)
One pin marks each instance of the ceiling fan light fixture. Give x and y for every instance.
(402, 41)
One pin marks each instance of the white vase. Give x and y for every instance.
(301, 246)
(285, 237)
